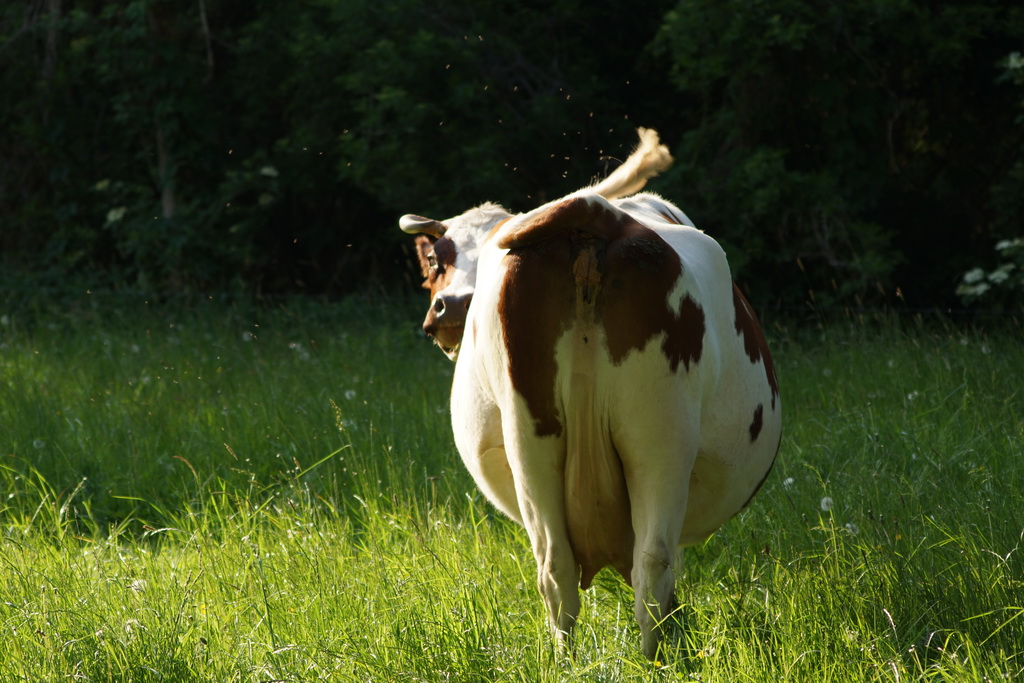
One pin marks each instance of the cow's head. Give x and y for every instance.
(448, 252)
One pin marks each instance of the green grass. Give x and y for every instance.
(233, 493)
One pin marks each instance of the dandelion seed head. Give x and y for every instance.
(299, 350)
(826, 504)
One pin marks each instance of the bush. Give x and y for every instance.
(1004, 284)
(847, 148)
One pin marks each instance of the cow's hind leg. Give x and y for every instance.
(658, 481)
(538, 467)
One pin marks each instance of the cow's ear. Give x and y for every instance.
(424, 247)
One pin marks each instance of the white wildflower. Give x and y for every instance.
(1001, 274)
(974, 275)
(826, 504)
(788, 482)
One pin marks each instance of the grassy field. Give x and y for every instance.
(235, 493)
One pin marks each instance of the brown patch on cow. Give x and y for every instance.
(424, 245)
(579, 260)
(535, 304)
(445, 251)
(572, 214)
(642, 270)
(753, 339)
(638, 270)
(755, 426)
(436, 257)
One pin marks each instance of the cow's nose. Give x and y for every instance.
(452, 306)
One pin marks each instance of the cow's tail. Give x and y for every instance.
(648, 160)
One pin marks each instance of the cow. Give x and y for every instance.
(613, 391)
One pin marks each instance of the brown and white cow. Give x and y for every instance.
(613, 391)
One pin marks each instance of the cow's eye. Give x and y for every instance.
(432, 260)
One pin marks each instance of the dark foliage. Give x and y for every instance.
(844, 149)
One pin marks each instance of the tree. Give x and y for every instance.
(854, 142)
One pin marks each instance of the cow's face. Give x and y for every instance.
(448, 252)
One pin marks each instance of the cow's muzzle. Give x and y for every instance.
(446, 321)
